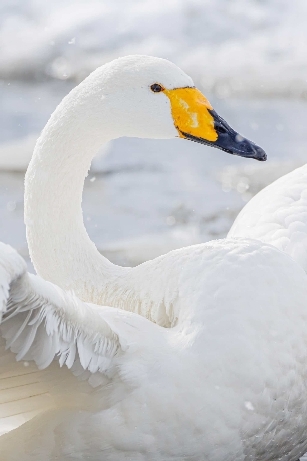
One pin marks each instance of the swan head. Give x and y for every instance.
(153, 98)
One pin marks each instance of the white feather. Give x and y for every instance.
(43, 326)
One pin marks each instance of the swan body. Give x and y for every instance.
(199, 354)
(227, 382)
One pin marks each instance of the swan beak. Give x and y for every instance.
(195, 119)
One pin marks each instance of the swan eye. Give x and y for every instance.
(156, 88)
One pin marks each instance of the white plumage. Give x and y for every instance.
(210, 362)
(278, 215)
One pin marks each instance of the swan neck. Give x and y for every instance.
(60, 248)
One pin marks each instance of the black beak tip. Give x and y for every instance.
(232, 142)
(260, 154)
(244, 148)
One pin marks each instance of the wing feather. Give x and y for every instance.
(55, 350)
(41, 321)
(44, 328)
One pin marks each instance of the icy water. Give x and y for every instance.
(145, 197)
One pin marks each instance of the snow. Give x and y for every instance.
(240, 47)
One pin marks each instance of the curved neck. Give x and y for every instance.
(59, 246)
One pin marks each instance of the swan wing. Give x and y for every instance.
(278, 215)
(51, 343)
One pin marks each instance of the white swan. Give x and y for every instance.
(227, 381)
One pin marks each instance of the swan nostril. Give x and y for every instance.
(220, 129)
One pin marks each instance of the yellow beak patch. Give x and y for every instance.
(190, 113)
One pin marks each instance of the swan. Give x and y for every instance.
(199, 354)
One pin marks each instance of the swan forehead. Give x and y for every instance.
(142, 71)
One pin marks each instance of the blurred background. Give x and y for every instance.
(143, 198)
